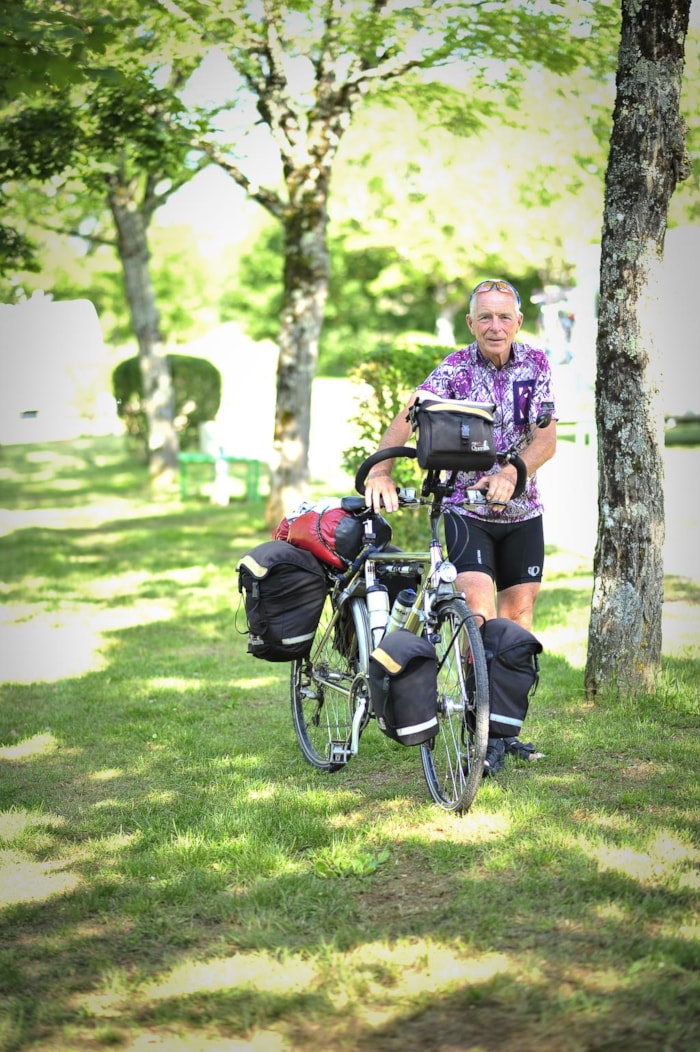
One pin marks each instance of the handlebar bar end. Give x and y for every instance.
(521, 474)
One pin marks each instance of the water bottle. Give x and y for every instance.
(378, 607)
(401, 609)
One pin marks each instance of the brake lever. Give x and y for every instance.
(475, 496)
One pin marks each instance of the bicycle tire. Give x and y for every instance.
(326, 687)
(453, 761)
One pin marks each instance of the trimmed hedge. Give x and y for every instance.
(197, 396)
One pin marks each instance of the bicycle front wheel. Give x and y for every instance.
(453, 761)
(326, 688)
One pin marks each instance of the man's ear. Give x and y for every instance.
(469, 323)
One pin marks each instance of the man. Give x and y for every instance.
(498, 549)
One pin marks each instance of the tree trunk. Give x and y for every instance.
(306, 277)
(158, 397)
(647, 158)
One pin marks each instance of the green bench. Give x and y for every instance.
(581, 431)
(252, 471)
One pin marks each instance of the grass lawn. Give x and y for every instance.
(174, 876)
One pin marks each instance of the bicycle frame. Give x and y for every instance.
(436, 585)
(330, 688)
(353, 590)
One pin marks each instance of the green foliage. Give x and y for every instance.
(197, 394)
(418, 210)
(685, 203)
(17, 251)
(122, 126)
(40, 140)
(253, 292)
(46, 51)
(392, 372)
(680, 432)
(446, 212)
(137, 127)
(45, 45)
(184, 281)
(361, 312)
(358, 312)
(130, 130)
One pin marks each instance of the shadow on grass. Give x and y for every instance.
(215, 884)
(525, 977)
(195, 829)
(74, 472)
(150, 545)
(87, 470)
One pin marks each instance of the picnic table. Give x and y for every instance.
(220, 462)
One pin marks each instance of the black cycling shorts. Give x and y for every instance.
(510, 552)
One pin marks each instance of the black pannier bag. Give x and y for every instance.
(514, 672)
(403, 687)
(284, 591)
(453, 435)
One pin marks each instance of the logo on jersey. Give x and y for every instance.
(522, 396)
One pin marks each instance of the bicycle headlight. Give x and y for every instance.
(447, 572)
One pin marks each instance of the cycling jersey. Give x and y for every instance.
(517, 390)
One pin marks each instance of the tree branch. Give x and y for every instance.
(71, 231)
(153, 200)
(264, 196)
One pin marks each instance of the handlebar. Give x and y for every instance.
(392, 452)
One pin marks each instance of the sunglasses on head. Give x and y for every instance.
(491, 285)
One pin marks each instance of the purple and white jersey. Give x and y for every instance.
(517, 390)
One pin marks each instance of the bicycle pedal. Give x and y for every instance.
(339, 752)
(433, 637)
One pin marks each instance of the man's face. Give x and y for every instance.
(494, 322)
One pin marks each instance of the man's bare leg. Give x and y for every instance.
(518, 603)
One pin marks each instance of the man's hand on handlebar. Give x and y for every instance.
(498, 488)
(381, 493)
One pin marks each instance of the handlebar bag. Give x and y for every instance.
(403, 687)
(332, 534)
(512, 659)
(453, 435)
(284, 592)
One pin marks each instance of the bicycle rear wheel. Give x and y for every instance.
(326, 689)
(453, 761)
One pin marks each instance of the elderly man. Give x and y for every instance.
(498, 549)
